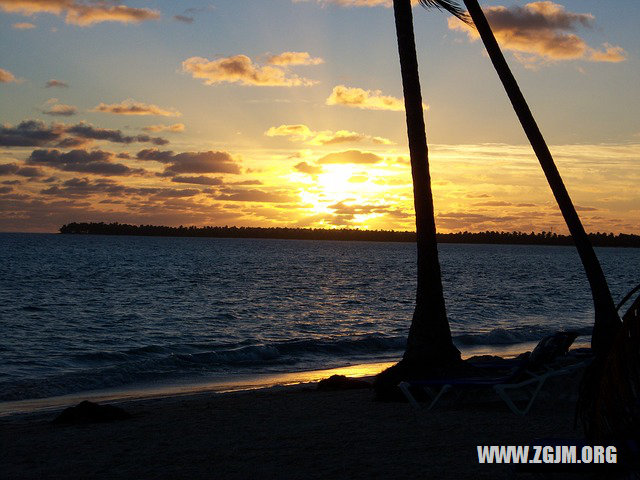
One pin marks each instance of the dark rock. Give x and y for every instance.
(481, 359)
(340, 382)
(89, 412)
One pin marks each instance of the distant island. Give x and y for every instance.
(345, 234)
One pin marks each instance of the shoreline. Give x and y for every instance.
(236, 382)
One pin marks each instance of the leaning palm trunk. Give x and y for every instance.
(429, 343)
(607, 322)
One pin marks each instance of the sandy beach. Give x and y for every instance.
(282, 433)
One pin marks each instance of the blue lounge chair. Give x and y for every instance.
(528, 376)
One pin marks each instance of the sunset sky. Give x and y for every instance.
(290, 113)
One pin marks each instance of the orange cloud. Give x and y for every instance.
(240, 69)
(350, 156)
(610, 53)
(364, 99)
(541, 31)
(131, 107)
(79, 13)
(176, 127)
(296, 132)
(294, 58)
(52, 107)
(304, 167)
(6, 76)
(302, 133)
(23, 26)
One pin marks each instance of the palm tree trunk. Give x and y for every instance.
(429, 342)
(607, 321)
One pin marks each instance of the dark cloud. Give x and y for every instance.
(183, 18)
(5, 189)
(165, 156)
(34, 133)
(199, 180)
(83, 161)
(254, 195)
(30, 133)
(246, 182)
(56, 83)
(481, 222)
(15, 169)
(176, 193)
(73, 142)
(341, 208)
(88, 131)
(192, 162)
(30, 172)
(84, 187)
(8, 168)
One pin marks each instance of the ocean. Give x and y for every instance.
(84, 313)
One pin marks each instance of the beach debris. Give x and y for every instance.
(340, 382)
(88, 412)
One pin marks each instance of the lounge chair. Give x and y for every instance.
(528, 376)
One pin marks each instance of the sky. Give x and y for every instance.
(290, 113)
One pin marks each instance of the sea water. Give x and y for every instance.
(83, 312)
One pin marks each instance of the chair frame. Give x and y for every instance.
(502, 386)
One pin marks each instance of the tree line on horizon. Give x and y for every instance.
(346, 234)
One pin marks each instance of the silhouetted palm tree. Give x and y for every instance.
(429, 345)
(607, 322)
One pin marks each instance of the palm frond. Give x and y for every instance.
(450, 6)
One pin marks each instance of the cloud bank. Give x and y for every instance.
(83, 161)
(34, 133)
